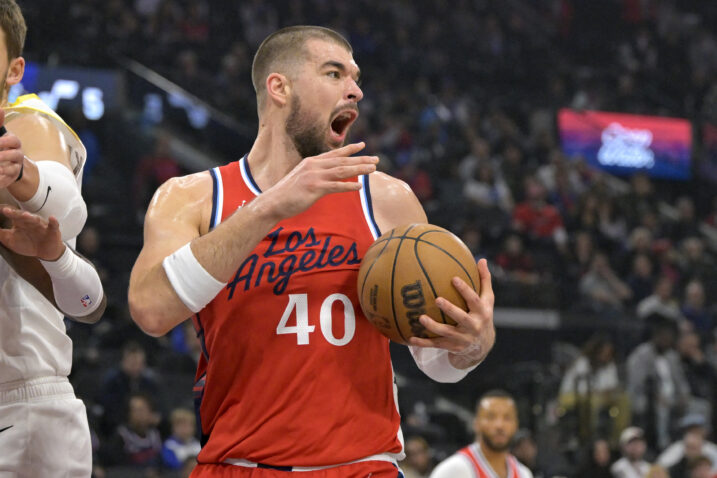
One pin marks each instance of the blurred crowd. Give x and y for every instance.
(460, 102)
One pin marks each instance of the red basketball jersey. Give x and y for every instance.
(293, 374)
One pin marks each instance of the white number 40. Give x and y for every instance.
(302, 329)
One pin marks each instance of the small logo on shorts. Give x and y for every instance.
(86, 301)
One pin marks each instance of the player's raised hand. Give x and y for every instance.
(473, 336)
(11, 155)
(318, 176)
(30, 235)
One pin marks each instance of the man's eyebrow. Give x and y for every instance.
(341, 67)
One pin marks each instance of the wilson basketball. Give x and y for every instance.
(405, 270)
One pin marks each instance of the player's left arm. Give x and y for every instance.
(463, 346)
(35, 168)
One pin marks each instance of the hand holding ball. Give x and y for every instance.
(404, 271)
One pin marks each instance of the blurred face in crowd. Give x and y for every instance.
(141, 416)
(324, 98)
(526, 451)
(496, 423)
(701, 469)
(695, 294)
(635, 449)
(418, 455)
(693, 440)
(183, 428)
(133, 363)
(689, 341)
(601, 453)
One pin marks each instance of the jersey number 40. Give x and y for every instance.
(302, 329)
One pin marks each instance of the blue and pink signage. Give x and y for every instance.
(624, 144)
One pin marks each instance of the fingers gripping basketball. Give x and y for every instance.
(404, 271)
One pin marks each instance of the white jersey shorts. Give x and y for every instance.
(43, 430)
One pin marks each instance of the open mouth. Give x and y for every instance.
(341, 122)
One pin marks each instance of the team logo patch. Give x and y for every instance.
(86, 301)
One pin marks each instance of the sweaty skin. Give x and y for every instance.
(180, 210)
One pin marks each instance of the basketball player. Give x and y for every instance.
(264, 253)
(43, 427)
(495, 424)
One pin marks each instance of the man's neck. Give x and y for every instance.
(496, 459)
(272, 156)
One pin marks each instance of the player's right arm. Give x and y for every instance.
(170, 282)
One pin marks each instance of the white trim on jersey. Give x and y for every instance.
(367, 206)
(246, 176)
(218, 197)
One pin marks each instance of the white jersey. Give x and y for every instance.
(469, 462)
(33, 342)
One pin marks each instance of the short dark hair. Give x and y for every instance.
(284, 47)
(494, 393)
(13, 26)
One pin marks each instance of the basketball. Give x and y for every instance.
(405, 270)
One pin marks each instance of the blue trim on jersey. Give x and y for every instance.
(248, 173)
(215, 191)
(370, 206)
(198, 393)
(200, 336)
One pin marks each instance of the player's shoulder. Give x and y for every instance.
(455, 466)
(182, 195)
(393, 202)
(523, 470)
(383, 185)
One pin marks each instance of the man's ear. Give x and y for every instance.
(15, 71)
(278, 88)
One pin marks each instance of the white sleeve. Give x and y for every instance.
(455, 466)
(524, 471)
(58, 195)
(75, 284)
(434, 363)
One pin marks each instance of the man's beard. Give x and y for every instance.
(494, 446)
(305, 131)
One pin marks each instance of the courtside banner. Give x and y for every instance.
(624, 144)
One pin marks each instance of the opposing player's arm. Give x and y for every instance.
(36, 170)
(467, 343)
(33, 248)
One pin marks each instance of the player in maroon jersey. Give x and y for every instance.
(264, 253)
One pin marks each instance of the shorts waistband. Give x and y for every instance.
(250, 464)
(35, 389)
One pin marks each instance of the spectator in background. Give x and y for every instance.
(487, 190)
(597, 462)
(641, 200)
(661, 302)
(516, 264)
(540, 221)
(656, 383)
(132, 376)
(694, 308)
(182, 443)
(153, 171)
(601, 289)
(700, 467)
(657, 471)
(692, 445)
(695, 262)
(592, 382)
(633, 447)
(525, 449)
(686, 224)
(700, 374)
(641, 280)
(136, 443)
(419, 460)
